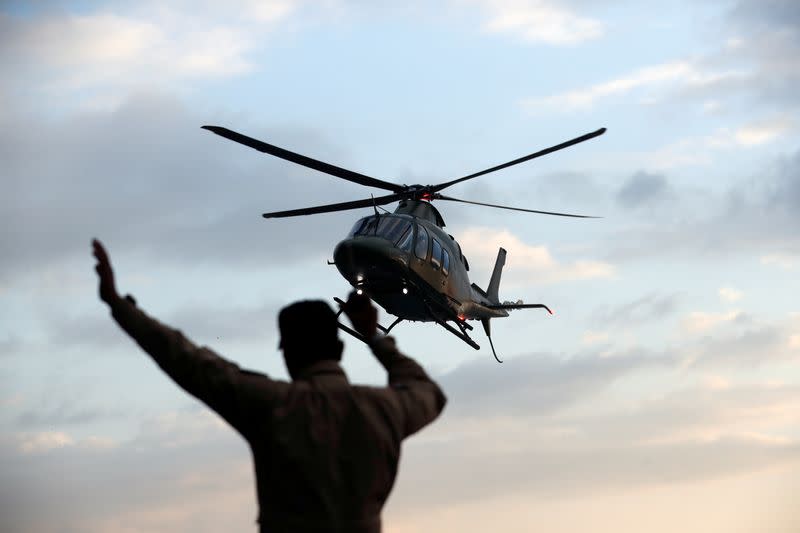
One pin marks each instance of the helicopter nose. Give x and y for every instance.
(366, 260)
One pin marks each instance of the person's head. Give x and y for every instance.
(309, 333)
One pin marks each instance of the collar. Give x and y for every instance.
(325, 371)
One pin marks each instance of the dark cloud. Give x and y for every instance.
(770, 15)
(758, 215)
(642, 189)
(784, 188)
(647, 308)
(771, 33)
(537, 384)
(86, 485)
(744, 347)
(146, 178)
(63, 415)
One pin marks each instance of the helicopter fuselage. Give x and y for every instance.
(411, 267)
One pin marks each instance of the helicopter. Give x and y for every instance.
(404, 260)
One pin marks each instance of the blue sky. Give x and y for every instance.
(665, 391)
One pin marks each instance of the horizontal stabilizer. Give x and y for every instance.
(520, 306)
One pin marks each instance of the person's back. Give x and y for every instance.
(325, 452)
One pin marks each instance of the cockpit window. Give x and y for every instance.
(365, 226)
(391, 228)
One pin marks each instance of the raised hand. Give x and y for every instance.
(362, 314)
(108, 289)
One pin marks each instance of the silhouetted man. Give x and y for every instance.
(325, 451)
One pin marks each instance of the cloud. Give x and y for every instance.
(784, 261)
(67, 53)
(179, 467)
(538, 384)
(729, 294)
(744, 346)
(539, 426)
(44, 441)
(661, 76)
(642, 189)
(146, 179)
(756, 63)
(752, 216)
(701, 322)
(763, 131)
(701, 150)
(648, 308)
(527, 264)
(539, 21)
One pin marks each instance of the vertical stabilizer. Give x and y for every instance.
(494, 283)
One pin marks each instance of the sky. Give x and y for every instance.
(663, 395)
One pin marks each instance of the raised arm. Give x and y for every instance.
(421, 398)
(217, 382)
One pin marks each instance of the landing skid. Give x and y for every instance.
(353, 332)
(461, 332)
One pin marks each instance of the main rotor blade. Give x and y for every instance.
(306, 161)
(534, 155)
(343, 206)
(443, 197)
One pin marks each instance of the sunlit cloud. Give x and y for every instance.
(716, 382)
(528, 264)
(44, 441)
(700, 322)
(729, 294)
(763, 131)
(703, 149)
(594, 337)
(784, 261)
(539, 21)
(671, 75)
(98, 54)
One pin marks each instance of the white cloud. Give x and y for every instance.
(762, 131)
(784, 261)
(527, 264)
(44, 441)
(585, 98)
(153, 45)
(716, 383)
(539, 21)
(729, 294)
(674, 74)
(700, 322)
(700, 150)
(595, 337)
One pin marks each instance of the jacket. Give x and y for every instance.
(325, 451)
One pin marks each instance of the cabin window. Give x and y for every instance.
(421, 248)
(406, 239)
(436, 255)
(445, 262)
